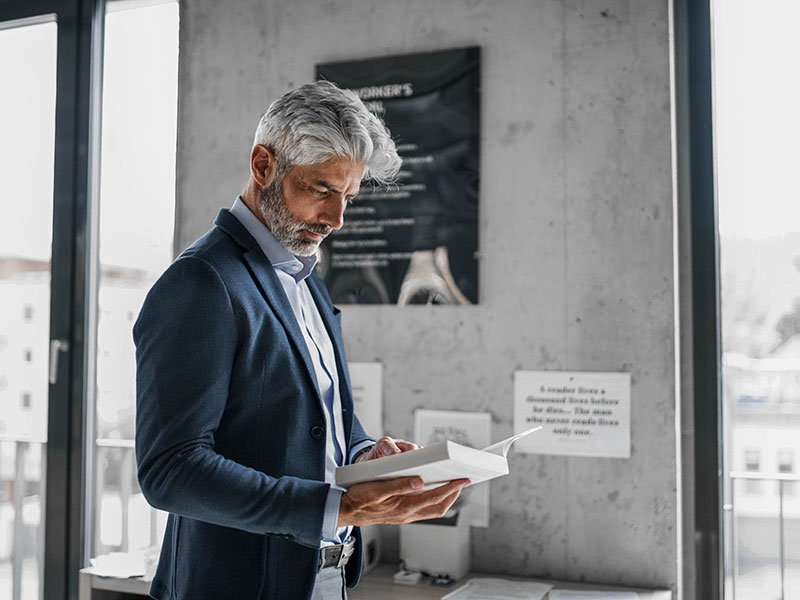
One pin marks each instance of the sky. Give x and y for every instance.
(757, 128)
(27, 123)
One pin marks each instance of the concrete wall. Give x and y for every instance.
(576, 235)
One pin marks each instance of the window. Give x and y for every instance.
(752, 460)
(27, 123)
(786, 467)
(752, 464)
(134, 246)
(786, 460)
(756, 123)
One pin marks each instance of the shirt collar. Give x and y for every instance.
(298, 267)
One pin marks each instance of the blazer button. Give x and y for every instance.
(317, 432)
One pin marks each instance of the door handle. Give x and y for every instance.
(56, 347)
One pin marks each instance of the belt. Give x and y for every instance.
(336, 556)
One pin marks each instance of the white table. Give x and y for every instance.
(88, 583)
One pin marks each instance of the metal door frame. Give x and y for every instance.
(80, 28)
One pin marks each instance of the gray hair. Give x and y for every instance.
(319, 121)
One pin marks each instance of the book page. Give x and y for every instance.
(502, 447)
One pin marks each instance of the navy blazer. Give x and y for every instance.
(230, 429)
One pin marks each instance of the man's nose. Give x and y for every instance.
(334, 212)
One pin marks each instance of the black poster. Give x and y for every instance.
(416, 242)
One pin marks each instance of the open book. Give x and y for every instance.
(437, 463)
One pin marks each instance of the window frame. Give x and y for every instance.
(79, 52)
(701, 448)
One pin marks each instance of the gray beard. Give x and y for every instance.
(285, 227)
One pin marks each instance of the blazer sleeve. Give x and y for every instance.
(358, 440)
(186, 342)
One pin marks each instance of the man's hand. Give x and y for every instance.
(387, 446)
(396, 501)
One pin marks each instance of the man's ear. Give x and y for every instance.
(262, 165)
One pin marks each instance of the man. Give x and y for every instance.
(244, 407)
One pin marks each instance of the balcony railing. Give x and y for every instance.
(22, 510)
(21, 513)
(127, 489)
(783, 480)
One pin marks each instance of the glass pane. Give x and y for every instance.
(27, 122)
(757, 128)
(136, 221)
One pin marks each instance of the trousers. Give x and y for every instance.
(330, 585)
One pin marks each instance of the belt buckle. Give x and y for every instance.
(346, 552)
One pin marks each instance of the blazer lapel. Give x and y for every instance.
(271, 288)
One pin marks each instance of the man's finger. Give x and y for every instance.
(445, 504)
(413, 504)
(438, 494)
(387, 447)
(380, 490)
(406, 446)
(439, 509)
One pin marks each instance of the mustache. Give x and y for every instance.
(323, 230)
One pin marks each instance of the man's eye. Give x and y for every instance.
(351, 199)
(319, 192)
